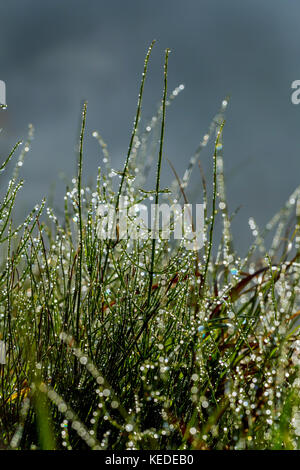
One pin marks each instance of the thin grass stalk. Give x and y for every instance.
(159, 170)
(212, 225)
(79, 185)
(131, 142)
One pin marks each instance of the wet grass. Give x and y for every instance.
(143, 344)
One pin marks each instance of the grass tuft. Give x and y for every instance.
(141, 343)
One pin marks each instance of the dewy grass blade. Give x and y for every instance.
(136, 121)
(80, 222)
(159, 170)
(131, 142)
(213, 217)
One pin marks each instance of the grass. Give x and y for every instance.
(142, 344)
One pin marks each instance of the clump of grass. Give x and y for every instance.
(142, 344)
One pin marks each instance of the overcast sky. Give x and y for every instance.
(55, 54)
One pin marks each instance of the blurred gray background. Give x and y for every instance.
(54, 54)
